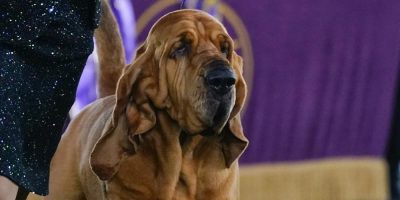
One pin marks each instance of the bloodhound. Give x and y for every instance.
(172, 130)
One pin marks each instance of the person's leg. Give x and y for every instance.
(8, 190)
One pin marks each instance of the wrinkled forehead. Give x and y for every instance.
(178, 22)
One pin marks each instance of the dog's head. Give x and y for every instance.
(188, 67)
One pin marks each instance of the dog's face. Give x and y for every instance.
(188, 69)
(197, 54)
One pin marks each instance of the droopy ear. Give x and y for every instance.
(233, 140)
(132, 115)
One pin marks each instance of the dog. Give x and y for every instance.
(169, 129)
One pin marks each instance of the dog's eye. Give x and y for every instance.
(225, 49)
(179, 51)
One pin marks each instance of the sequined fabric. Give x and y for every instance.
(43, 48)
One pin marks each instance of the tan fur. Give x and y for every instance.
(110, 52)
(143, 143)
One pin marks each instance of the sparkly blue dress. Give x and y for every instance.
(43, 47)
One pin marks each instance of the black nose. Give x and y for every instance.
(220, 79)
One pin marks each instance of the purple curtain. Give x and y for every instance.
(325, 75)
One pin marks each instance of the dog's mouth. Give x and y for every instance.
(218, 112)
(217, 123)
(221, 114)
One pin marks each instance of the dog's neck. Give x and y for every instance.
(201, 158)
(185, 165)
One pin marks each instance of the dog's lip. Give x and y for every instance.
(220, 113)
(216, 119)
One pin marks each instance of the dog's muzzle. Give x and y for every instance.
(219, 80)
